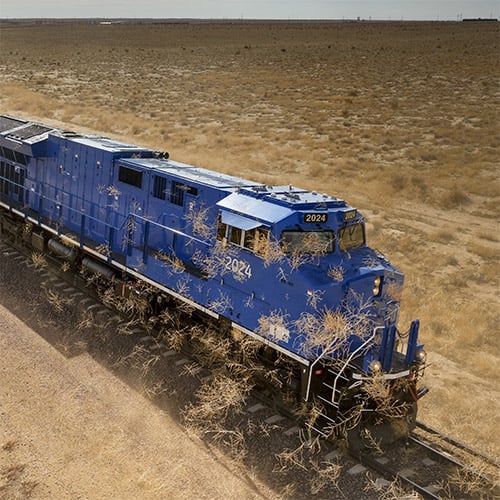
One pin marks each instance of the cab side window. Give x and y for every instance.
(255, 240)
(236, 235)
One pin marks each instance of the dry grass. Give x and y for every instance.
(391, 491)
(57, 301)
(135, 305)
(140, 358)
(198, 219)
(327, 331)
(172, 262)
(217, 402)
(218, 399)
(307, 457)
(336, 273)
(39, 260)
(299, 456)
(326, 475)
(470, 478)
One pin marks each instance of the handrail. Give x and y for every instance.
(311, 366)
(168, 228)
(353, 354)
(125, 218)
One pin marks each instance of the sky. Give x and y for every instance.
(254, 9)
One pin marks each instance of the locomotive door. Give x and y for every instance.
(70, 187)
(135, 223)
(102, 197)
(134, 226)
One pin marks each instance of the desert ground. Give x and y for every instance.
(399, 119)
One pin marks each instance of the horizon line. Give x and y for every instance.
(243, 19)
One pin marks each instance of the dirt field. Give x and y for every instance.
(399, 119)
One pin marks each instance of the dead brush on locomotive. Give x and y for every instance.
(286, 267)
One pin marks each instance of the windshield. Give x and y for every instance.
(351, 237)
(307, 242)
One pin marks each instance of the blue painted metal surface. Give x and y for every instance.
(155, 216)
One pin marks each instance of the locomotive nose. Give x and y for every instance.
(367, 286)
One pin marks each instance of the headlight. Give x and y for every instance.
(420, 356)
(376, 286)
(375, 366)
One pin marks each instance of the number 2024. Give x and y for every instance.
(238, 267)
(315, 217)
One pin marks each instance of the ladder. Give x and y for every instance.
(340, 379)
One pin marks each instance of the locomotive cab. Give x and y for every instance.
(349, 293)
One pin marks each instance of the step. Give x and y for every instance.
(331, 387)
(331, 403)
(337, 375)
(315, 429)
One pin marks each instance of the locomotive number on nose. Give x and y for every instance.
(240, 268)
(315, 218)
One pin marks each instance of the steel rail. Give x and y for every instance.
(459, 444)
(386, 470)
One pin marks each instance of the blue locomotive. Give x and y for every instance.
(283, 265)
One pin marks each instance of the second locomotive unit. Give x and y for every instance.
(283, 265)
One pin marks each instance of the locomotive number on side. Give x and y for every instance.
(240, 268)
(312, 218)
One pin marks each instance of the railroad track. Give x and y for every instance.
(431, 464)
(437, 466)
(487, 459)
